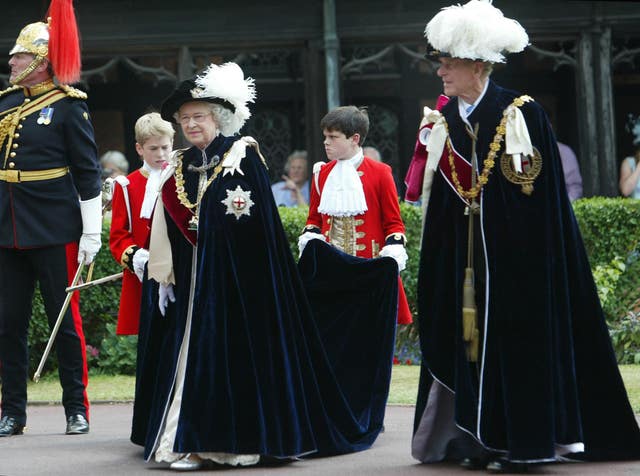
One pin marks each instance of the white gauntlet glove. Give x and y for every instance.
(140, 259)
(165, 294)
(90, 241)
(398, 253)
(306, 237)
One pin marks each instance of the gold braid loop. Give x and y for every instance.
(490, 161)
(181, 192)
(8, 126)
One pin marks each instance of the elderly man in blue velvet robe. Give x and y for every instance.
(518, 367)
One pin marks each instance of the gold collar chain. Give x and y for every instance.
(181, 192)
(490, 161)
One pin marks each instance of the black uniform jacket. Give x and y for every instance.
(46, 212)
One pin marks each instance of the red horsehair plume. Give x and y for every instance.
(64, 43)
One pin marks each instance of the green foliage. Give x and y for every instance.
(610, 227)
(625, 336)
(606, 278)
(117, 353)
(293, 221)
(611, 232)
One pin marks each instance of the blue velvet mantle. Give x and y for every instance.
(548, 374)
(269, 371)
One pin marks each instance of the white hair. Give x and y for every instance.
(116, 158)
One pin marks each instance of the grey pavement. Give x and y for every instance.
(106, 450)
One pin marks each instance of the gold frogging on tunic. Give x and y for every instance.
(342, 234)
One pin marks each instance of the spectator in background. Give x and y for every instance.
(630, 173)
(372, 153)
(571, 170)
(293, 189)
(113, 164)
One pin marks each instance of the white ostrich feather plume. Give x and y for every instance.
(476, 30)
(227, 82)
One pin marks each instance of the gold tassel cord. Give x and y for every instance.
(470, 332)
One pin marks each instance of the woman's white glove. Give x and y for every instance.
(140, 259)
(306, 237)
(165, 294)
(398, 253)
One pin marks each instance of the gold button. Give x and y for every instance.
(16, 135)
(19, 126)
(27, 100)
(12, 165)
(15, 146)
(12, 154)
(23, 119)
(328, 220)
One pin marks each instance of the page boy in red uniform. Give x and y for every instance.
(354, 202)
(133, 199)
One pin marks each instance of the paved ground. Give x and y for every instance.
(45, 450)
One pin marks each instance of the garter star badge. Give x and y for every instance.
(238, 202)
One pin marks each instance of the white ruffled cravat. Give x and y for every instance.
(150, 190)
(343, 195)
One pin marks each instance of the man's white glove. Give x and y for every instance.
(398, 253)
(165, 294)
(90, 241)
(306, 237)
(140, 259)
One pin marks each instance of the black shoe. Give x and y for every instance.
(77, 425)
(503, 466)
(9, 426)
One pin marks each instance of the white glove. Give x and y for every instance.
(90, 241)
(89, 246)
(165, 294)
(306, 237)
(398, 253)
(140, 259)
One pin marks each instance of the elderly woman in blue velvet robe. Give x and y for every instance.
(238, 367)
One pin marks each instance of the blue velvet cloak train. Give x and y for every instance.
(547, 374)
(268, 372)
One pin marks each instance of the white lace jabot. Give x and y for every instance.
(343, 195)
(150, 190)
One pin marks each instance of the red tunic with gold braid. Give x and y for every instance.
(364, 235)
(124, 243)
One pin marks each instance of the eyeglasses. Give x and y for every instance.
(198, 118)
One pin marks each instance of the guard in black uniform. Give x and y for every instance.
(50, 216)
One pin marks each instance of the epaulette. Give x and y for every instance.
(10, 89)
(73, 92)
